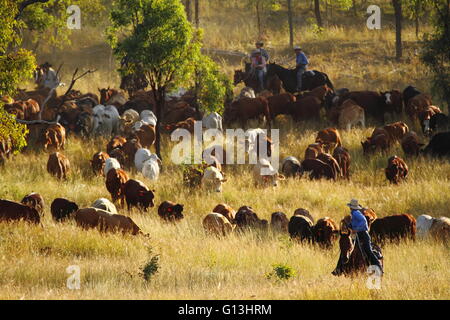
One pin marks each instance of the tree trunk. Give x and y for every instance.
(258, 18)
(354, 7)
(291, 27)
(188, 10)
(197, 13)
(416, 16)
(398, 28)
(317, 12)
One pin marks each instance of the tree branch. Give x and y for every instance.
(25, 4)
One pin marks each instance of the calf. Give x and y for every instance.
(98, 162)
(217, 224)
(104, 204)
(300, 228)
(129, 151)
(92, 218)
(265, 175)
(225, 210)
(115, 181)
(343, 158)
(291, 167)
(55, 137)
(110, 163)
(396, 131)
(410, 144)
(58, 165)
(170, 211)
(119, 155)
(396, 170)
(318, 169)
(394, 228)
(350, 114)
(380, 140)
(212, 179)
(332, 162)
(116, 142)
(62, 208)
(246, 219)
(150, 168)
(324, 232)
(313, 150)
(146, 135)
(279, 222)
(34, 200)
(13, 211)
(330, 138)
(138, 195)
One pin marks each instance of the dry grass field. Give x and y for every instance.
(193, 265)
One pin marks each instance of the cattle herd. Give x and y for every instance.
(129, 124)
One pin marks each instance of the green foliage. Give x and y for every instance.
(153, 35)
(12, 131)
(16, 65)
(436, 51)
(281, 272)
(151, 267)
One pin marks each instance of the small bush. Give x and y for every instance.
(151, 267)
(281, 272)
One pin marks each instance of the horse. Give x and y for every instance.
(250, 80)
(311, 79)
(351, 259)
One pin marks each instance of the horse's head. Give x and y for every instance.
(105, 94)
(238, 76)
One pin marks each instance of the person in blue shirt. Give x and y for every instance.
(359, 226)
(301, 63)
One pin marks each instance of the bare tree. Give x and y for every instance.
(291, 27)
(317, 12)
(398, 28)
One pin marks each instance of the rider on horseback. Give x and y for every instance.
(259, 67)
(359, 226)
(301, 62)
(259, 45)
(48, 78)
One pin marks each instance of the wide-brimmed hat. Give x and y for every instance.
(297, 48)
(354, 204)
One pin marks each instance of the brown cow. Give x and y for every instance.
(216, 224)
(324, 232)
(129, 150)
(396, 170)
(93, 218)
(62, 208)
(246, 218)
(247, 108)
(55, 137)
(396, 131)
(318, 169)
(306, 108)
(418, 103)
(24, 109)
(225, 210)
(115, 182)
(380, 140)
(330, 138)
(319, 92)
(187, 124)
(58, 165)
(116, 142)
(145, 135)
(178, 111)
(170, 211)
(98, 162)
(313, 150)
(410, 144)
(279, 222)
(279, 104)
(343, 158)
(34, 200)
(119, 155)
(137, 194)
(394, 227)
(11, 211)
(332, 162)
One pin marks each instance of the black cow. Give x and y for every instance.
(439, 145)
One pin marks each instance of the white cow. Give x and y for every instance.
(150, 168)
(212, 179)
(130, 115)
(265, 174)
(106, 120)
(105, 204)
(110, 163)
(140, 157)
(212, 121)
(423, 225)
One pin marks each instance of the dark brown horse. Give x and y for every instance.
(273, 83)
(351, 259)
